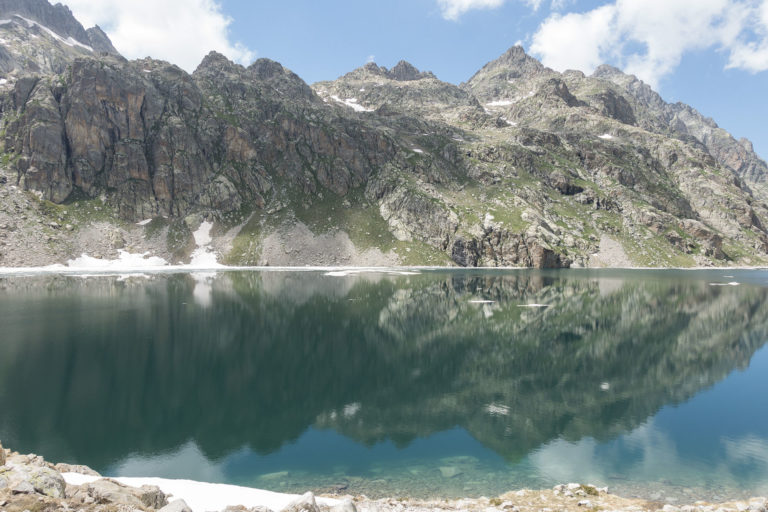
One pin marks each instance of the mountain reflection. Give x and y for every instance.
(96, 370)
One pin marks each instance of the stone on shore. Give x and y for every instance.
(32, 478)
(176, 506)
(306, 503)
(2, 455)
(345, 506)
(110, 491)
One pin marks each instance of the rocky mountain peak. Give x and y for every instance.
(266, 68)
(607, 71)
(405, 72)
(55, 17)
(215, 61)
(100, 42)
(517, 63)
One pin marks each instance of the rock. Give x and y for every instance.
(585, 503)
(24, 473)
(23, 487)
(48, 481)
(176, 506)
(110, 491)
(2, 455)
(306, 503)
(450, 471)
(70, 468)
(345, 506)
(240, 508)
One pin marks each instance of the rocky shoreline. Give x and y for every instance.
(28, 483)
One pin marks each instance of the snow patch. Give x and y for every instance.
(144, 222)
(3, 81)
(605, 136)
(500, 103)
(203, 256)
(351, 103)
(533, 305)
(417, 150)
(69, 41)
(125, 262)
(201, 496)
(733, 283)
(479, 301)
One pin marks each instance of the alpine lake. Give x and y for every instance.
(422, 383)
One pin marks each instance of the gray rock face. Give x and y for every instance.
(100, 42)
(56, 17)
(41, 38)
(32, 478)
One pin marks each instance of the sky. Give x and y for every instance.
(711, 54)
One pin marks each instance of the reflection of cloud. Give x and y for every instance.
(649, 454)
(750, 450)
(187, 462)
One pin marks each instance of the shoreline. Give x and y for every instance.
(338, 271)
(29, 483)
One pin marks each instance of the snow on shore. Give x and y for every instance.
(201, 496)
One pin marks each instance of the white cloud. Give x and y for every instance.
(575, 41)
(649, 38)
(752, 55)
(180, 31)
(453, 9)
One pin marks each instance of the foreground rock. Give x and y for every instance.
(29, 483)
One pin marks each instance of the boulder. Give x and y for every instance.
(306, 503)
(32, 478)
(2, 455)
(110, 491)
(344, 506)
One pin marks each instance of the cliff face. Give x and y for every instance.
(520, 166)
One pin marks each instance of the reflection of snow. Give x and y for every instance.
(351, 409)
(497, 409)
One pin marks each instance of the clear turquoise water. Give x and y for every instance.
(654, 383)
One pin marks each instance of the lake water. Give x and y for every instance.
(440, 383)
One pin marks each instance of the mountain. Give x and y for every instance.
(519, 166)
(38, 37)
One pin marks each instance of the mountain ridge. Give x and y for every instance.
(518, 166)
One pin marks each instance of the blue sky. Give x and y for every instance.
(711, 54)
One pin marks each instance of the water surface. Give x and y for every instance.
(445, 383)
